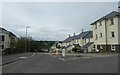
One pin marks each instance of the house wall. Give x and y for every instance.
(114, 28)
(81, 42)
(118, 33)
(87, 40)
(97, 31)
(90, 48)
(106, 40)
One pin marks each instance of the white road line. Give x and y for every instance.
(62, 59)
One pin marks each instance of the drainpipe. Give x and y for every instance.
(105, 35)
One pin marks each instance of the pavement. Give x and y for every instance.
(45, 63)
(76, 56)
(6, 59)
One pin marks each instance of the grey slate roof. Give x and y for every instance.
(89, 35)
(81, 35)
(87, 45)
(86, 34)
(108, 16)
(4, 30)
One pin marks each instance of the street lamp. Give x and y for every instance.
(26, 38)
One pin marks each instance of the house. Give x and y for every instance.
(7, 39)
(88, 42)
(88, 47)
(106, 32)
(76, 41)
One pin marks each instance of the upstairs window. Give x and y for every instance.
(100, 23)
(85, 40)
(101, 35)
(89, 40)
(112, 21)
(3, 38)
(95, 26)
(112, 34)
(2, 46)
(96, 37)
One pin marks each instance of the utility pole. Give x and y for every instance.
(26, 39)
(119, 6)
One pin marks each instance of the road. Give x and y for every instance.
(45, 63)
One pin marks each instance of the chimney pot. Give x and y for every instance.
(73, 34)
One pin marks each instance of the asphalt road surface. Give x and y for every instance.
(45, 63)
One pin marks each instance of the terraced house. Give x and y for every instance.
(6, 39)
(78, 41)
(106, 32)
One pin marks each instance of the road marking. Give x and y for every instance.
(62, 59)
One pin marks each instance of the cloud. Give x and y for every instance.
(52, 20)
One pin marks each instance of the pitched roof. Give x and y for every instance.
(69, 39)
(108, 16)
(81, 35)
(86, 34)
(89, 35)
(76, 45)
(11, 34)
(87, 45)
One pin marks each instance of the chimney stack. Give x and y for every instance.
(73, 34)
(82, 30)
(69, 35)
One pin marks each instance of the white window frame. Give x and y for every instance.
(101, 35)
(113, 48)
(96, 37)
(111, 34)
(112, 21)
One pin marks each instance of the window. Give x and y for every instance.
(112, 22)
(100, 35)
(3, 38)
(85, 40)
(94, 46)
(100, 23)
(96, 37)
(89, 39)
(95, 26)
(112, 34)
(112, 47)
(2, 46)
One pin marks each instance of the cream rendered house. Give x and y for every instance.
(81, 39)
(6, 39)
(106, 32)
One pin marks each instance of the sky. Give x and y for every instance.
(52, 21)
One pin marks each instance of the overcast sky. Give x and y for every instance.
(52, 20)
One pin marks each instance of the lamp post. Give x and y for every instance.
(26, 38)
